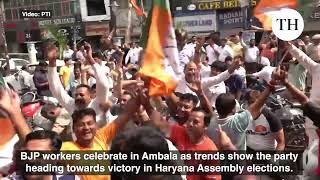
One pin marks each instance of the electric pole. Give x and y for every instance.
(2, 30)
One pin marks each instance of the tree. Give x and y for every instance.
(58, 37)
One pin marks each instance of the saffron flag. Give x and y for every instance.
(161, 46)
(135, 5)
(266, 8)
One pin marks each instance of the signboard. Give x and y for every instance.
(59, 21)
(315, 15)
(65, 31)
(195, 22)
(228, 19)
(96, 29)
(193, 5)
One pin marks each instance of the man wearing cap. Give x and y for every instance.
(313, 50)
(82, 98)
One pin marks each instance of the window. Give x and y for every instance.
(43, 7)
(15, 14)
(8, 14)
(50, 7)
(66, 9)
(7, 4)
(57, 9)
(96, 7)
(73, 8)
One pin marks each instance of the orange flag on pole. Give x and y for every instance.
(161, 44)
(265, 8)
(135, 5)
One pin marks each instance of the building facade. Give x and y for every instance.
(19, 30)
(77, 19)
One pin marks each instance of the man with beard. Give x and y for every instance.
(82, 97)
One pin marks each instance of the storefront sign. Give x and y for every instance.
(228, 19)
(196, 21)
(315, 16)
(64, 31)
(210, 4)
(96, 29)
(59, 21)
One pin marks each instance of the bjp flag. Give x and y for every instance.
(266, 8)
(138, 10)
(161, 45)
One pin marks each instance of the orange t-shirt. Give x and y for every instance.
(181, 140)
(101, 142)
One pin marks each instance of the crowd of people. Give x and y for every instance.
(104, 103)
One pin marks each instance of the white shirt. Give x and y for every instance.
(212, 56)
(206, 83)
(264, 61)
(313, 51)
(186, 54)
(7, 154)
(214, 91)
(106, 71)
(259, 135)
(251, 54)
(67, 53)
(25, 79)
(205, 71)
(225, 52)
(241, 71)
(265, 73)
(69, 103)
(133, 55)
(313, 68)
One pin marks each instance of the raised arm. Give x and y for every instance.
(118, 87)
(197, 88)
(305, 60)
(197, 54)
(55, 85)
(243, 44)
(102, 81)
(155, 115)
(256, 108)
(10, 102)
(208, 82)
(299, 95)
(130, 108)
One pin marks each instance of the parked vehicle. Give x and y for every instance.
(14, 80)
(14, 63)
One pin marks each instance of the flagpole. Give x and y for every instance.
(129, 27)
(7, 68)
(142, 6)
